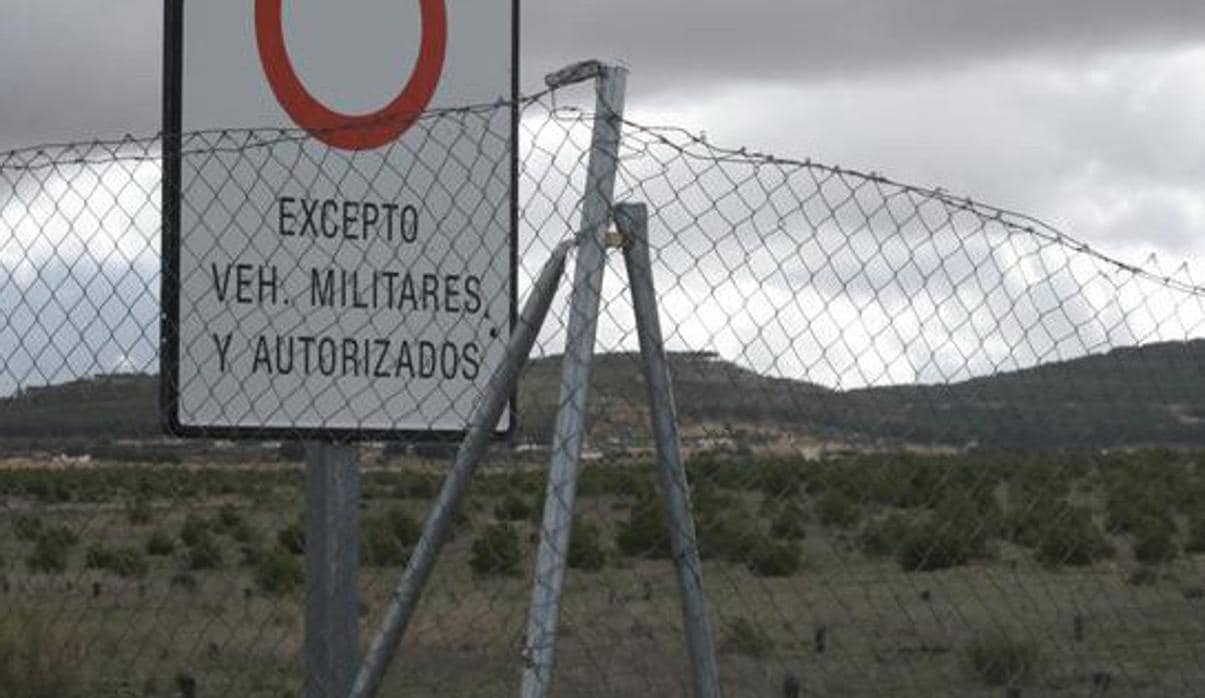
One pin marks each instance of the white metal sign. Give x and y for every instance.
(346, 268)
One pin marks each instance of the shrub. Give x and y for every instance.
(278, 573)
(379, 546)
(932, 543)
(586, 551)
(195, 530)
(233, 524)
(139, 511)
(645, 533)
(292, 538)
(250, 555)
(1196, 536)
(1143, 576)
(185, 581)
(790, 522)
(836, 508)
(743, 636)
(496, 552)
(406, 529)
(160, 544)
(885, 537)
(1132, 503)
(770, 558)
(513, 507)
(27, 527)
(49, 555)
(999, 659)
(728, 536)
(59, 535)
(1154, 540)
(205, 554)
(127, 563)
(98, 557)
(1073, 540)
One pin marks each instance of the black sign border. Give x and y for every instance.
(169, 314)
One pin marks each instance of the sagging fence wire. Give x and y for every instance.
(935, 447)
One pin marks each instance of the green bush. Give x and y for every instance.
(232, 523)
(513, 507)
(49, 555)
(497, 552)
(250, 555)
(292, 538)
(728, 535)
(1134, 502)
(933, 543)
(743, 636)
(406, 529)
(205, 554)
(160, 544)
(771, 558)
(790, 523)
(59, 535)
(645, 533)
(1154, 540)
(379, 546)
(1196, 536)
(27, 527)
(885, 537)
(277, 572)
(98, 557)
(1000, 659)
(195, 530)
(586, 551)
(1029, 523)
(836, 508)
(139, 511)
(127, 563)
(1074, 540)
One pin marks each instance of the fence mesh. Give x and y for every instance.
(935, 447)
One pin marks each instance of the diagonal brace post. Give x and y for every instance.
(632, 221)
(481, 430)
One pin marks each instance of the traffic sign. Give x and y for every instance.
(339, 231)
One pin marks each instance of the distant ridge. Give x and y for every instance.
(1150, 395)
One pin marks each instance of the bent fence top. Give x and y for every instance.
(935, 446)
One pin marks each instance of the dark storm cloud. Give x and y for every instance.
(75, 69)
(692, 41)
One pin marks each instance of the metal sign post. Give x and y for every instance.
(332, 553)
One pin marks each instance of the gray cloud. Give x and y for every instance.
(77, 70)
(693, 43)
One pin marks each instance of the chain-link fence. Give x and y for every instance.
(935, 448)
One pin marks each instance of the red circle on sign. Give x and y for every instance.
(347, 131)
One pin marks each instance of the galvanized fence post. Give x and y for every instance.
(632, 221)
(439, 521)
(332, 553)
(539, 653)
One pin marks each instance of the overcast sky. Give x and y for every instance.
(1088, 113)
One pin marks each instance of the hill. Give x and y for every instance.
(1150, 395)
